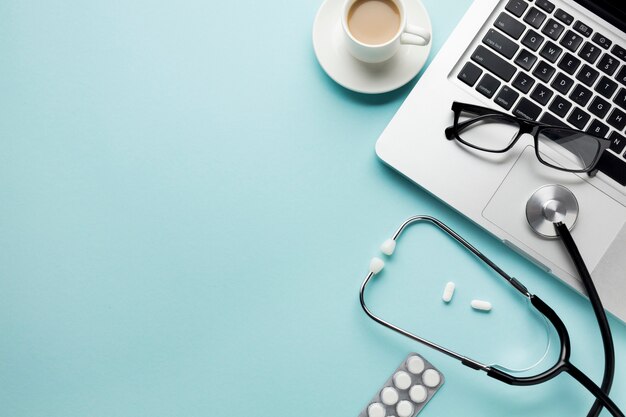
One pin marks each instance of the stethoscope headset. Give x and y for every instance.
(548, 211)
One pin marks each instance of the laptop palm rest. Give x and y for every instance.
(506, 209)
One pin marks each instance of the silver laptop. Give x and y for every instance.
(557, 62)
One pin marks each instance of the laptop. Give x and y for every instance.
(553, 61)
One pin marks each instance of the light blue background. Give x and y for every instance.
(187, 208)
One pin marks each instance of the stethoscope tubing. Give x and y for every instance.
(603, 323)
(562, 365)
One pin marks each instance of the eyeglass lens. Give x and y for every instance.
(581, 149)
(492, 132)
(495, 133)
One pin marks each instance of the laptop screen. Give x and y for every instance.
(613, 11)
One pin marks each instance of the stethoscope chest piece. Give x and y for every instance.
(551, 204)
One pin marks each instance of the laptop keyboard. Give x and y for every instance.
(540, 63)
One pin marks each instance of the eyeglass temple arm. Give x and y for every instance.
(449, 132)
(474, 109)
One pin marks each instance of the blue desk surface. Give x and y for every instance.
(188, 207)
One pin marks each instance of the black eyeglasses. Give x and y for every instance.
(490, 130)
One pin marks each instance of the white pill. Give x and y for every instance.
(376, 410)
(415, 364)
(388, 247)
(481, 305)
(389, 396)
(431, 378)
(404, 409)
(376, 265)
(448, 291)
(418, 393)
(402, 380)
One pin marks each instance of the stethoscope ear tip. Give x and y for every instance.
(388, 247)
(376, 265)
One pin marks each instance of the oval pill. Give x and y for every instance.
(481, 305)
(418, 393)
(415, 364)
(376, 410)
(404, 408)
(448, 291)
(389, 396)
(431, 378)
(402, 380)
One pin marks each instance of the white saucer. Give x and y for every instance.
(358, 76)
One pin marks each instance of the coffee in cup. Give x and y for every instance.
(375, 29)
(374, 22)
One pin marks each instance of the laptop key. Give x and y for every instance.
(541, 94)
(545, 5)
(589, 52)
(550, 52)
(601, 40)
(598, 129)
(469, 74)
(608, 64)
(569, 63)
(599, 107)
(516, 7)
(578, 118)
(500, 43)
(506, 97)
(535, 17)
(621, 75)
(587, 75)
(582, 28)
(571, 40)
(618, 142)
(617, 119)
(562, 83)
(563, 16)
(525, 59)
(492, 62)
(527, 109)
(606, 87)
(523, 82)
(619, 52)
(532, 40)
(560, 106)
(620, 98)
(581, 95)
(509, 25)
(613, 166)
(544, 71)
(553, 29)
(488, 85)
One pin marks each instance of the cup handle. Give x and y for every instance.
(415, 35)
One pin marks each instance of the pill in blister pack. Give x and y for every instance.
(407, 391)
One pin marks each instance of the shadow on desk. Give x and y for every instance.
(367, 99)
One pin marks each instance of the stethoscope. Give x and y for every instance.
(551, 212)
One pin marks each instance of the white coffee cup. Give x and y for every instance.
(407, 34)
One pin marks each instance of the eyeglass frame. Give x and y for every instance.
(525, 126)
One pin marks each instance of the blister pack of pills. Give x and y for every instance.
(407, 391)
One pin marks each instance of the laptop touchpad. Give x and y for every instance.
(599, 220)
